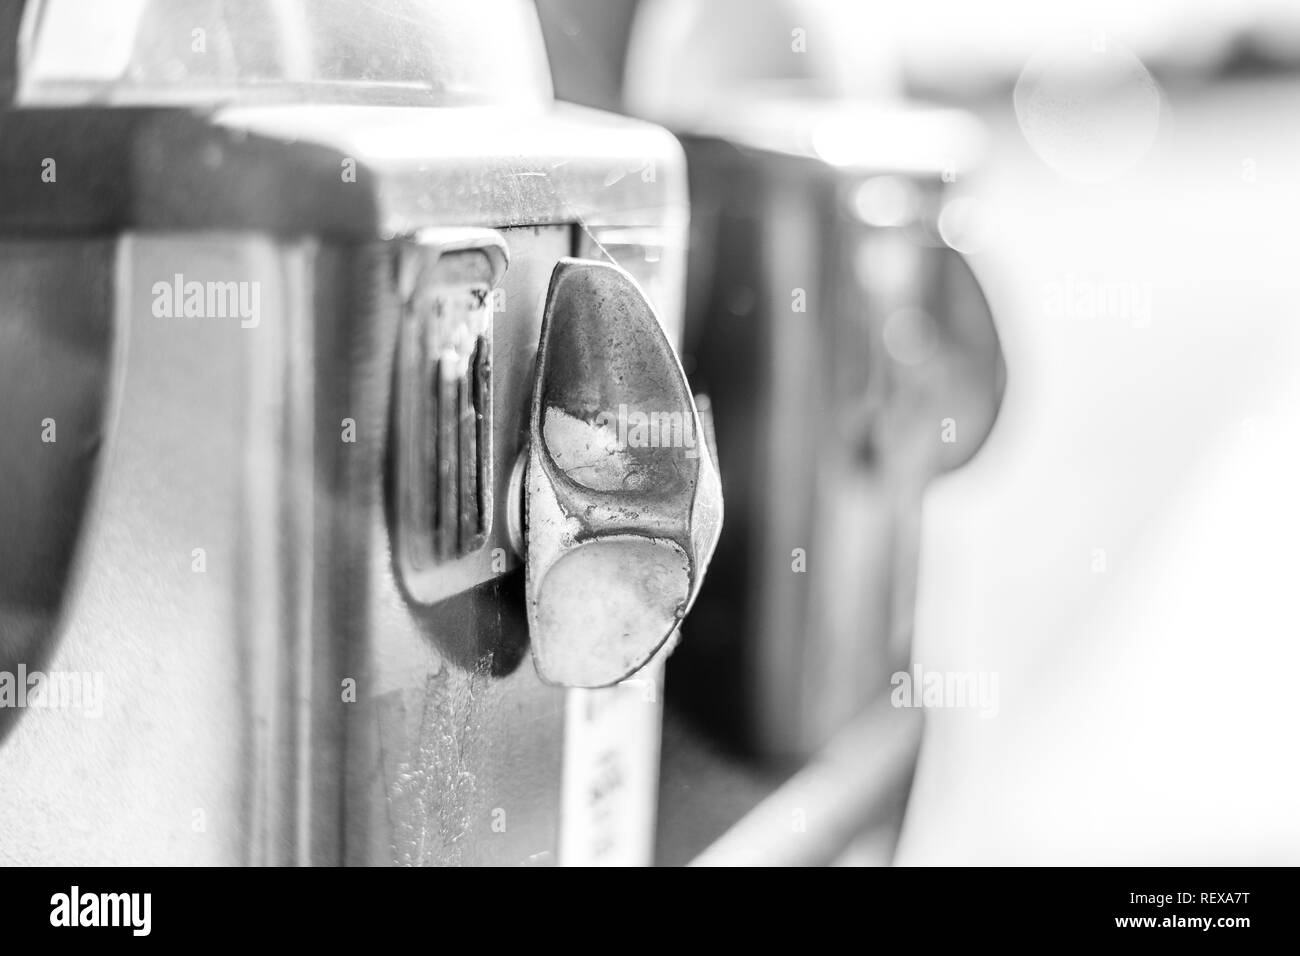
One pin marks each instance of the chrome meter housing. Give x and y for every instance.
(296, 574)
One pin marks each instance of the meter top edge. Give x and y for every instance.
(343, 119)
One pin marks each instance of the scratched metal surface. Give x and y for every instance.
(454, 746)
(278, 169)
(222, 737)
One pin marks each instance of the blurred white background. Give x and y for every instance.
(1124, 552)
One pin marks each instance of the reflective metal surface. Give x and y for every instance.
(275, 690)
(623, 505)
(175, 52)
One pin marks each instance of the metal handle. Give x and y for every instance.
(622, 502)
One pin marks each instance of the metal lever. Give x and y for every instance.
(622, 502)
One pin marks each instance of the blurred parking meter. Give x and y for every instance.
(848, 350)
